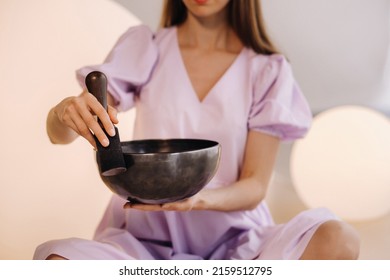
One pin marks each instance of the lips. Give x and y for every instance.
(201, 2)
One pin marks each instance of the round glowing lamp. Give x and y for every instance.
(344, 163)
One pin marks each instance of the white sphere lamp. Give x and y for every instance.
(344, 163)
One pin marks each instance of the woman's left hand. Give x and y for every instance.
(187, 204)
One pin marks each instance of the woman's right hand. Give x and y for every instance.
(78, 114)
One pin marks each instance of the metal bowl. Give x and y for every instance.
(161, 171)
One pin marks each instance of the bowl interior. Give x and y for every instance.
(157, 146)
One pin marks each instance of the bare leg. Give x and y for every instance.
(333, 240)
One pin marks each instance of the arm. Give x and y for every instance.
(74, 116)
(246, 193)
(251, 188)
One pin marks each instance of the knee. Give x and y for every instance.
(53, 257)
(334, 240)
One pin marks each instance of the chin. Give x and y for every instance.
(205, 8)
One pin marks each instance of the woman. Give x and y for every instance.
(211, 72)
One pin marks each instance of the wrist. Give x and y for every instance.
(202, 200)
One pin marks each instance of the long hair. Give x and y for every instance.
(244, 16)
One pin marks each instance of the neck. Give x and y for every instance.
(206, 33)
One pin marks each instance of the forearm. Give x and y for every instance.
(251, 187)
(245, 194)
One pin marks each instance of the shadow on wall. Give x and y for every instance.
(338, 58)
(148, 11)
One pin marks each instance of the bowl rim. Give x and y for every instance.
(212, 145)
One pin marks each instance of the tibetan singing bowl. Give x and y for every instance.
(161, 171)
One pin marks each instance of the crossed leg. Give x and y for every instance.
(333, 240)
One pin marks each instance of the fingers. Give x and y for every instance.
(112, 112)
(79, 113)
(183, 205)
(80, 128)
(87, 123)
(143, 207)
(96, 108)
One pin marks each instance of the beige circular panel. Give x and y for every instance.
(48, 191)
(344, 163)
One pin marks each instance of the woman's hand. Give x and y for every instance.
(77, 114)
(188, 204)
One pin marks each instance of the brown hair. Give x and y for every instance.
(244, 16)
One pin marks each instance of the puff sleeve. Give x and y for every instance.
(128, 66)
(278, 107)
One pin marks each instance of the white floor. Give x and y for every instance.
(284, 204)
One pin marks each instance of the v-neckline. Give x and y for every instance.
(187, 76)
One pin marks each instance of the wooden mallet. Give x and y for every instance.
(110, 159)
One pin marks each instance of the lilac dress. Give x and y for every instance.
(257, 92)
